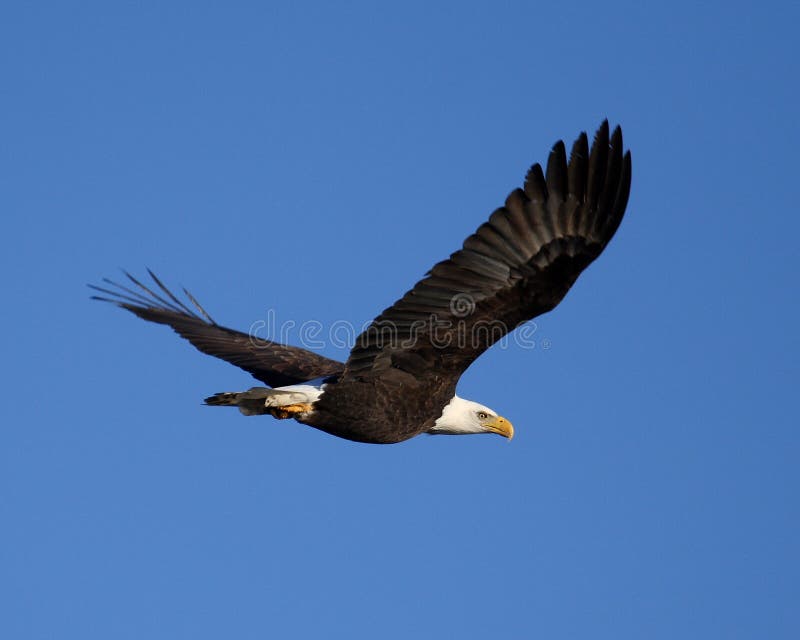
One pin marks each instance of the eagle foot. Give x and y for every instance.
(289, 410)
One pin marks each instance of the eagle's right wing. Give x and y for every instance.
(516, 266)
(270, 362)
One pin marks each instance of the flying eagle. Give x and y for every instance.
(400, 378)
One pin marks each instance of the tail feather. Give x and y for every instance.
(251, 403)
(260, 400)
(224, 399)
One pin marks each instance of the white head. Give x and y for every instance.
(465, 416)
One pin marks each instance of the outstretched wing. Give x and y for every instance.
(516, 266)
(270, 362)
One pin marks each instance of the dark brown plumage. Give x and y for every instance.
(272, 363)
(404, 368)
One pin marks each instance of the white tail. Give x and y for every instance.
(282, 402)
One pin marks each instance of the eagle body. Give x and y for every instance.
(365, 411)
(400, 377)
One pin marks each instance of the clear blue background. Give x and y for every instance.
(316, 159)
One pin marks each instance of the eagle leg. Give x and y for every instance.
(289, 410)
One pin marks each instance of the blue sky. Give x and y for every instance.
(313, 160)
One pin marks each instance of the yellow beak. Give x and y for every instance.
(500, 426)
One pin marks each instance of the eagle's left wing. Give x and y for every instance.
(270, 362)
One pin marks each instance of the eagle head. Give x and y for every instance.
(461, 417)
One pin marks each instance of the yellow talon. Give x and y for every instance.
(289, 410)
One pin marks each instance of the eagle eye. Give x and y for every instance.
(482, 415)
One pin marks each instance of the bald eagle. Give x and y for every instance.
(400, 377)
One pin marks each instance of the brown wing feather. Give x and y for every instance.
(270, 362)
(518, 265)
(521, 263)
